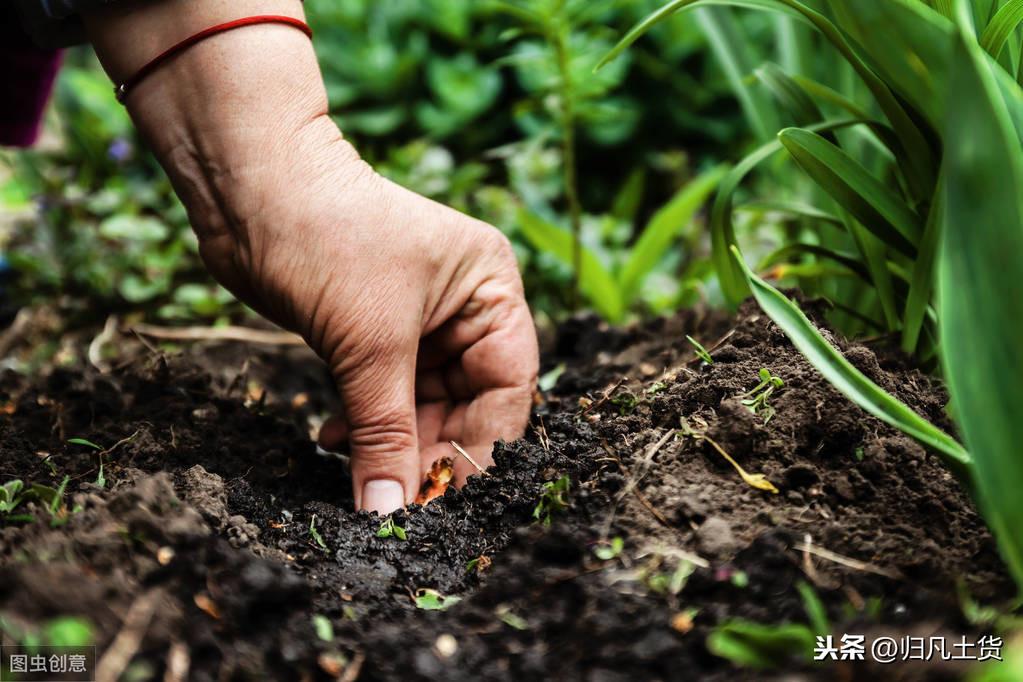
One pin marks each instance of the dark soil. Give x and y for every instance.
(196, 560)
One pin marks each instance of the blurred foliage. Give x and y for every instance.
(460, 100)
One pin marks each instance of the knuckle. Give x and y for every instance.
(392, 437)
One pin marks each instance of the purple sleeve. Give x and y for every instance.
(27, 73)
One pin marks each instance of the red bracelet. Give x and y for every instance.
(124, 88)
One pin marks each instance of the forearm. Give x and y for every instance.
(229, 114)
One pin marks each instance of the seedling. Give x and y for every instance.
(553, 499)
(701, 352)
(758, 481)
(510, 618)
(389, 528)
(611, 550)
(315, 534)
(432, 600)
(101, 480)
(626, 400)
(757, 399)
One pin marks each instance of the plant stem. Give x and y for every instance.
(561, 35)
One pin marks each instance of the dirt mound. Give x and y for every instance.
(223, 545)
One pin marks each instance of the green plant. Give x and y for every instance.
(755, 645)
(926, 194)
(432, 600)
(390, 529)
(314, 533)
(757, 399)
(553, 499)
(610, 550)
(701, 352)
(86, 443)
(323, 627)
(613, 289)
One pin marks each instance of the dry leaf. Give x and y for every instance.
(437, 480)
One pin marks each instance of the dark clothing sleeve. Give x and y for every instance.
(27, 73)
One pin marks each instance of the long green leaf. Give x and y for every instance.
(980, 312)
(783, 254)
(663, 228)
(880, 209)
(722, 228)
(594, 280)
(922, 283)
(1001, 27)
(847, 379)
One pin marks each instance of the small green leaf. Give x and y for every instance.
(399, 532)
(432, 600)
(323, 627)
(68, 632)
(86, 443)
(752, 645)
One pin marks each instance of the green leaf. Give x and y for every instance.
(847, 379)
(432, 600)
(130, 227)
(752, 645)
(922, 282)
(663, 228)
(909, 44)
(914, 153)
(877, 207)
(815, 611)
(323, 627)
(792, 96)
(1001, 27)
(722, 229)
(595, 281)
(782, 255)
(86, 443)
(980, 262)
(68, 632)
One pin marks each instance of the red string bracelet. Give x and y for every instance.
(124, 88)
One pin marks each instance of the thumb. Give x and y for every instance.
(379, 400)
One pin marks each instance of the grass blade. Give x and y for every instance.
(847, 379)
(663, 228)
(594, 280)
(921, 284)
(881, 210)
(1001, 27)
(980, 261)
(782, 255)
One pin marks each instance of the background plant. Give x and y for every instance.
(927, 197)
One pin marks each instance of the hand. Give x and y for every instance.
(418, 309)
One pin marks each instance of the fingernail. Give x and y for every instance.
(382, 496)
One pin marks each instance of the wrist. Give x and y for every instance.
(228, 116)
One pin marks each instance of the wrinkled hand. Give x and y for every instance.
(418, 310)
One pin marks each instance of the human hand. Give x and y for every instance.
(417, 309)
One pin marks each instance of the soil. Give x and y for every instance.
(194, 558)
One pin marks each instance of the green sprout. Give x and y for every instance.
(389, 528)
(611, 550)
(553, 498)
(432, 600)
(101, 480)
(627, 401)
(701, 352)
(315, 534)
(757, 399)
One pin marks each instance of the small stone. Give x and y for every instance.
(715, 537)
(446, 646)
(164, 555)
